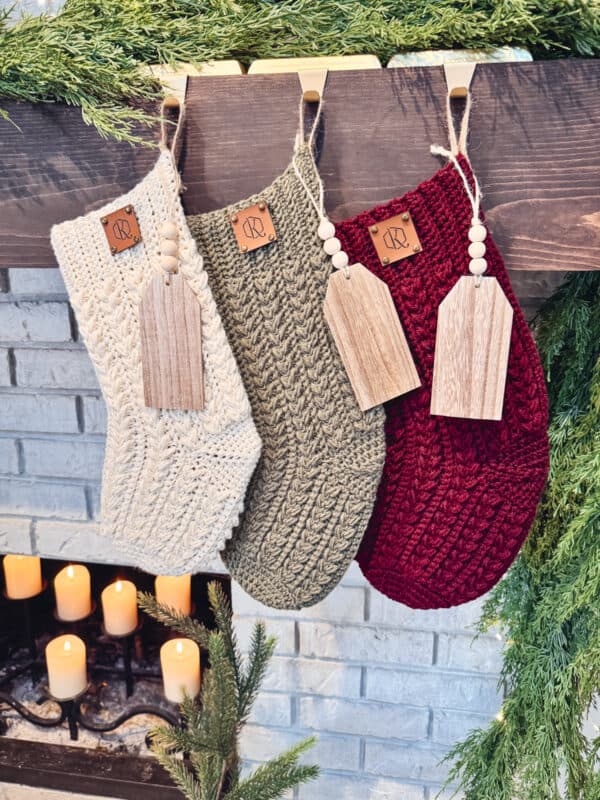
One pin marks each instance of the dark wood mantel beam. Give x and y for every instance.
(535, 144)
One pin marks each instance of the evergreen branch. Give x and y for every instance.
(261, 650)
(222, 613)
(170, 738)
(180, 774)
(207, 768)
(211, 727)
(182, 740)
(172, 618)
(219, 698)
(548, 603)
(271, 780)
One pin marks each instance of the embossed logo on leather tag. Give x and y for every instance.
(395, 238)
(253, 227)
(122, 229)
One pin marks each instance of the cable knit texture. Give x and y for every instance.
(311, 496)
(457, 497)
(173, 481)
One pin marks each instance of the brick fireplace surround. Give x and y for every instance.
(386, 689)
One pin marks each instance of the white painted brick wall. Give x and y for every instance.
(35, 322)
(54, 369)
(386, 689)
(4, 368)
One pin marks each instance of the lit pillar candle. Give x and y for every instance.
(175, 591)
(180, 664)
(22, 576)
(119, 608)
(65, 661)
(72, 587)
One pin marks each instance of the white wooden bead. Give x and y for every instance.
(340, 260)
(326, 229)
(477, 249)
(332, 246)
(168, 230)
(477, 266)
(168, 247)
(477, 233)
(168, 263)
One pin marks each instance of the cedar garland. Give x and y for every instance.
(90, 54)
(549, 603)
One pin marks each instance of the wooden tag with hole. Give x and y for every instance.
(171, 336)
(471, 350)
(363, 320)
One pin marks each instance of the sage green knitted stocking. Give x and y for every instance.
(311, 495)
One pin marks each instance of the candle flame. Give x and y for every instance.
(67, 646)
(179, 648)
(70, 571)
(118, 586)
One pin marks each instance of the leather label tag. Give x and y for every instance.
(122, 229)
(253, 227)
(395, 238)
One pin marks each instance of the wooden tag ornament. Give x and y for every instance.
(471, 350)
(171, 336)
(369, 337)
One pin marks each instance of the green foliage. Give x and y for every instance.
(549, 603)
(90, 54)
(210, 769)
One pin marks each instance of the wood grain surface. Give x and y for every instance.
(471, 350)
(366, 328)
(535, 144)
(78, 769)
(171, 337)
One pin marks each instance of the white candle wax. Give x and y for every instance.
(22, 576)
(119, 608)
(180, 664)
(72, 587)
(174, 591)
(65, 661)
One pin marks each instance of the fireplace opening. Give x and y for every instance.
(96, 743)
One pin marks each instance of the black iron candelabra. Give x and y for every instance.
(72, 709)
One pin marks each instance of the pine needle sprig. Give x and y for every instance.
(221, 610)
(172, 618)
(261, 650)
(180, 774)
(268, 781)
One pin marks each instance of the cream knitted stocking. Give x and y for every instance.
(173, 481)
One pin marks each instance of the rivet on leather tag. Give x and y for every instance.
(122, 229)
(395, 238)
(253, 227)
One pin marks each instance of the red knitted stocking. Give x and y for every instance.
(457, 497)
